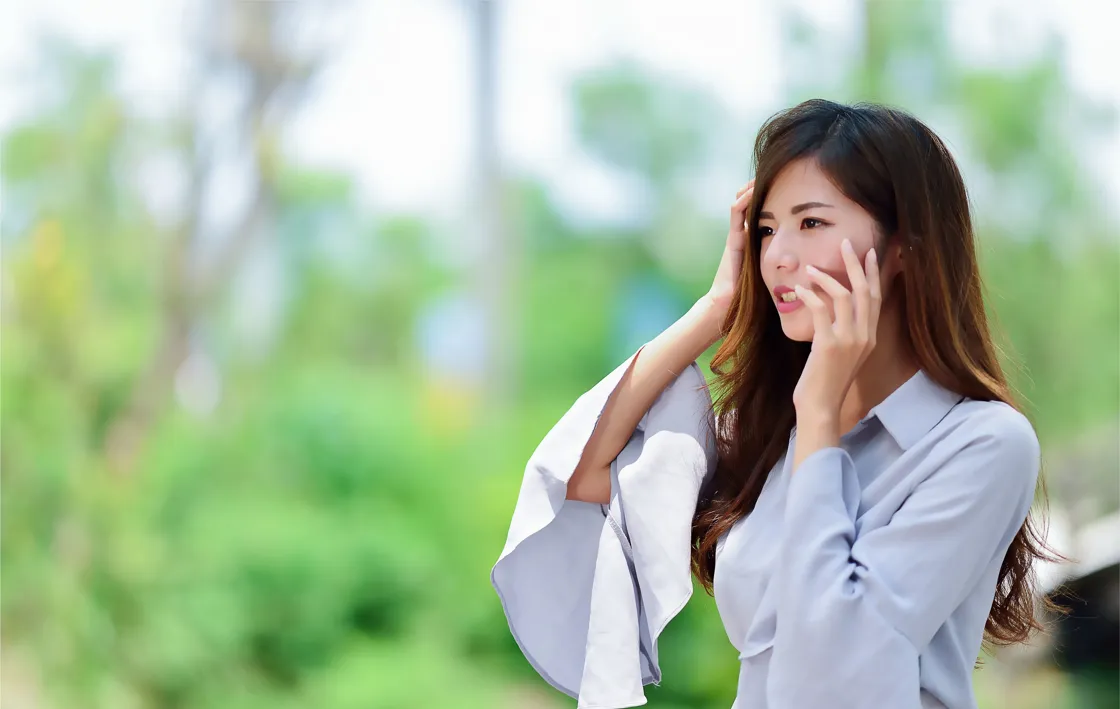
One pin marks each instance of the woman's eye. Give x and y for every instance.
(810, 223)
(765, 231)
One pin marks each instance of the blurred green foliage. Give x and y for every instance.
(323, 536)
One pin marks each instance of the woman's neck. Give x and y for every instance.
(890, 364)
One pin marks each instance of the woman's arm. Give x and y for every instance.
(858, 609)
(657, 364)
(660, 362)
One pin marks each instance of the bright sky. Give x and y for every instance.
(394, 108)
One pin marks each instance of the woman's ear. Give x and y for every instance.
(893, 259)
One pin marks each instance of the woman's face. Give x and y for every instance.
(804, 219)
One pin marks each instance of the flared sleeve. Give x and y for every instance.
(588, 588)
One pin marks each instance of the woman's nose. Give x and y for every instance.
(780, 254)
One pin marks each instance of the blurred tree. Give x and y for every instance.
(302, 543)
(253, 48)
(658, 131)
(496, 254)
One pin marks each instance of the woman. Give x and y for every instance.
(860, 507)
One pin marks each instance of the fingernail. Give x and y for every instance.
(874, 258)
(812, 269)
(846, 244)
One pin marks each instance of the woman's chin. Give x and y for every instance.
(797, 330)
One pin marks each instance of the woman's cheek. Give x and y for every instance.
(837, 270)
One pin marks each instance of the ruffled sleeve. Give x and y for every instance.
(588, 588)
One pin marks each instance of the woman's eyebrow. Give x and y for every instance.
(797, 209)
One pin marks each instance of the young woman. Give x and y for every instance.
(857, 500)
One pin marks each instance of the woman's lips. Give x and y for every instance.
(786, 300)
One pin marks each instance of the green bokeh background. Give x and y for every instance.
(319, 531)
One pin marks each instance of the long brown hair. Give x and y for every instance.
(901, 173)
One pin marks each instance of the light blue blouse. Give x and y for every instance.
(864, 580)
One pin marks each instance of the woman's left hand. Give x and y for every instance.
(840, 345)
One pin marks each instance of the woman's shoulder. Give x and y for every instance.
(995, 436)
(977, 419)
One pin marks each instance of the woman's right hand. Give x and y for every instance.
(726, 282)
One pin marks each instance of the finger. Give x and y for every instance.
(739, 209)
(742, 199)
(874, 292)
(860, 293)
(822, 326)
(841, 298)
(744, 189)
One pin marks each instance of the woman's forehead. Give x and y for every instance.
(801, 182)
